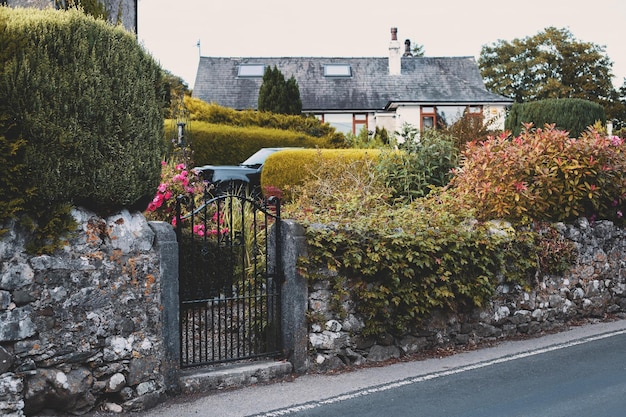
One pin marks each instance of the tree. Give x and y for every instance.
(551, 64)
(277, 95)
(418, 50)
(173, 90)
(89, 7)
(571, 114)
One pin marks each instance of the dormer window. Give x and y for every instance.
(250, 70)
(337, 70)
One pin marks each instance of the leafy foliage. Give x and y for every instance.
(173, 91)
(551, 64)
(287, 170)
(471, 127)
(80, 114)
(543, 174)
(403, 262)
(573, 115)
(91, 7)
(221, 144)
(366, 140)
(422, 163)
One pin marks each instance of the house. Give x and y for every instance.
(356, 93)
(119, 11)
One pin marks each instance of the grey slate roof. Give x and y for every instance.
(427, 80)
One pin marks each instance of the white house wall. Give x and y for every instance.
(407, 115)
(393, 122)
(495, 116)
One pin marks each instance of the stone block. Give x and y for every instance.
(380, 353)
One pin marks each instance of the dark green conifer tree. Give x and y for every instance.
(277, 95)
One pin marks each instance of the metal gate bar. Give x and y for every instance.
(230, 277)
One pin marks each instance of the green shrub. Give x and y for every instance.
(423, 162)
(288, 169)
(571, 114)
(543, 174)
(220, 144)
(401, 263)
(81, 99)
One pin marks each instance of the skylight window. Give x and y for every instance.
(337, 70)
(251, 70)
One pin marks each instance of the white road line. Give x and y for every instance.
(409, 381)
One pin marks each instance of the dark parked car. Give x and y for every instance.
(238, 178)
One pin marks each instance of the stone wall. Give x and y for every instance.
(594, 287)
(84, 328)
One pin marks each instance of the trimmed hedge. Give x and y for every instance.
(84, 96)
(310, 126)
(80, 118)
(571, 114)
(220, 144)
(285, 169)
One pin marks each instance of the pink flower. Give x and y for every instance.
(180, 167)
(616, 141)
(619, 214)
(167, 195)
(162, 187)
(198, 229)
(163, 163)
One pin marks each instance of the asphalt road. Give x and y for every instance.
(586, 379)
(580, 372)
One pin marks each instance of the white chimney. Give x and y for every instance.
(394, 53)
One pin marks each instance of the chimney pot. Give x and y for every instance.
(394, 53)
(407, 48)
(394, 34)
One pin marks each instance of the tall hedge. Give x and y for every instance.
(309, 125)
(571, 114)
(83, 96)
(221, 144)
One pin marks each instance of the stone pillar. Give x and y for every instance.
(294, 301)
(167, 247)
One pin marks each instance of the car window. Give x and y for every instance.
(259, 157)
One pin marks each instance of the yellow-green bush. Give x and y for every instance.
(199, 110)
(289, 168)
(221, 144)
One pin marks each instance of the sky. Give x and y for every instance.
(170, 31)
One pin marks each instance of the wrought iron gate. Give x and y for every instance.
(229, 278)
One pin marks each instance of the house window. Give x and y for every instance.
(342, 122)
(251, 70)
(445, 116)
(337, 70)
(428, 118)
(359, 121)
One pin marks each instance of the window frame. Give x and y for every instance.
(330, 74)
(359, 120)
(251, 74)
